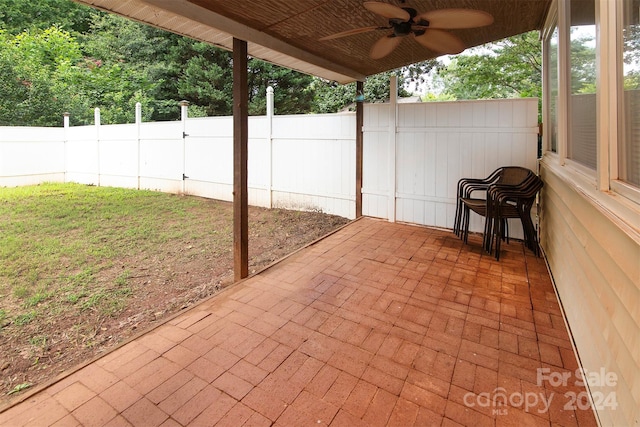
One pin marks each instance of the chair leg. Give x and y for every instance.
(499, 235)
(527, 233)
(456, 223)
(506, 229)
(487, 241)
(532, 241)
(493, 222)
(465, 224)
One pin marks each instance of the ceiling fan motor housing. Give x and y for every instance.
(401, 29)
(404, 28)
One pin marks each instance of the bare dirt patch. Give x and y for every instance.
(139, 288)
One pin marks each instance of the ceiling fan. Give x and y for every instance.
(427, 28)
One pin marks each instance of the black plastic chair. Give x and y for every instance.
(465, 187)
(507, 176)
(505, 203)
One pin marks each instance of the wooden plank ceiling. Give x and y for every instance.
(287, 32)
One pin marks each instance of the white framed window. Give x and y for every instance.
(581, 145)
(629, 149)
(550, 78)
(592, 90)
(553, 89)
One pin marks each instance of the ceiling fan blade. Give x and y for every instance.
(387, 10)
(456, 18)
(349, 33)
(384, 46)
(441, 41)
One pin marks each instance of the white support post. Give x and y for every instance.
(184, 113)
(393, 132)
(96, 119)
(138, 125)
(65, 124)
(270, 146)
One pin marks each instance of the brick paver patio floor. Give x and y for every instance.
(378, 324)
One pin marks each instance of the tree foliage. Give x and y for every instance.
(631, 56)
(38, 75)
(583, 63)
(505, 69)
(58, 56)
(19, 15)
(331, 97)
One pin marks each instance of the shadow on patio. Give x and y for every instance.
(377, 324)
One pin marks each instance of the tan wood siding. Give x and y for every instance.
(596, 268)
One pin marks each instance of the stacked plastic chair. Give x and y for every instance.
(513, 203)
(506, 193)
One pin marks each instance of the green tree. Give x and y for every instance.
(40, 71)
(509, 68)
(583, 63)
(48, 75)
(93, 59)
(631, 55)
(292, 92)
(19, 15)
(133, 64)
(114, 89)
(181, 68)
(207, 81)
(331, 97)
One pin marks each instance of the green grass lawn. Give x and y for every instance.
(83, 267)
(57, 239)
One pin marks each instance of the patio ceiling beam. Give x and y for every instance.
(240, 156)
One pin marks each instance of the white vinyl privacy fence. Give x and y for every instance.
(414, 155)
